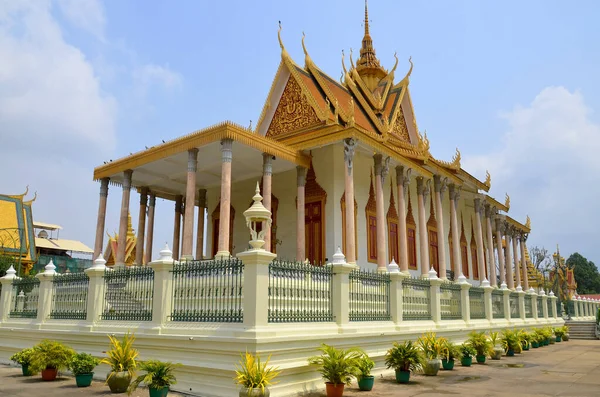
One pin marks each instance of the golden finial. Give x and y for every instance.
(250, 126)
(488, 179)
(528, 223)
(351, 60)
(279, 37)
(366, 18)
(32, 200)
(395, 64)
(507, 201)
(344, 64)
(303, 46)
(456, 159)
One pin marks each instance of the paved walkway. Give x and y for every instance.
(563, 369)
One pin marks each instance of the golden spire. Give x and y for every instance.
(130, 232)
(368, 64)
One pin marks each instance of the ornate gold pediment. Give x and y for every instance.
(293, 112)
(400, 130)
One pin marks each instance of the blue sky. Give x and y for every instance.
(513, 84)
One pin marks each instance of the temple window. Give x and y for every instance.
(474, 262)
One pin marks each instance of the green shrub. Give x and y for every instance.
(23, 357)
(158, 374)
(83, 363)
(50, 354)
(337, 366)
(404, 357)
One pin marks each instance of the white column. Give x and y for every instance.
(500, 250)
(381, 170)
(517, 265)
(96, 289)
(402, 181)
(455, 249)
(464, 298)
(225, 214)
(163, 288)
(422, 192)
(434, 297)
(7, 293)
(341, 288)
(45, 292)
(300, 215)
(190, 204)
(150, 232)
(200, 231)
(509, 274)
(489, 211)
(479, 239)
(522, 239)
(350, 248)
(440, 187)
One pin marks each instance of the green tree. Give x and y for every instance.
(5, 263)
(586, 274)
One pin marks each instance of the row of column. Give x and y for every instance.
(485, 251)
(184, 209)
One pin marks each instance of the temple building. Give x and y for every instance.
(32, 244)
(340, 164)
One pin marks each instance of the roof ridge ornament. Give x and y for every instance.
(488, 179)
(507, 202)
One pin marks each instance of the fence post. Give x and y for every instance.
(95, 300)
(396, 303)
(45, 292)
(163, 288)
(554, 308)
(7, 293)
(465, 303)
(576, 307)
(534, 312)
(255, 287)
(544, 304)
(434, 296)
(506, 301)
(341, 288)
(487, 299)
(521, 294)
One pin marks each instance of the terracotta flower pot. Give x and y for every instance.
(49, 374)
(334, 390)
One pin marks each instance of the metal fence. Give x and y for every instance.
(540, 307)
(69, 296)
(299, 292)
(450, 301)
(208, 291)
(128, 294)
(415, 299)
(497, 304)
(528, 307)
(26, 292)
(515, 311)
(476, 303)
(369, 296)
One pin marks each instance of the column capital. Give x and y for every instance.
(454, 191)
(127, 179)
(267, 164)
(403, 178)
(202, 198)
(490, 210)
(440, 183)
(144, 196)
(104, 187)
(349, 149)
(192, 160)
(300, 176)
(151, 199)
(226, 147)
(478, 205)
(423, 185)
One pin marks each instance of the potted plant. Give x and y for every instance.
(451, 354)
(122, 361)
(496, 350)
(526, 338)
(82, 366)
(482, 345)
(49, 357)
(466, 354)
(404, 358)
(337, 367)
(158, 377)
(510, 341)
(23, 358)
(364, 377)
(560, 333)
(535, 339)
(433, 349)
(255, 376)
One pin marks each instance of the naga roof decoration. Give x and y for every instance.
(305, 107)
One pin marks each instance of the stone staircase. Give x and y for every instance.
(582, 329)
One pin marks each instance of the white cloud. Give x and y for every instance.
(56, 123)
(155, 75)
(87, 15)
(549, 161)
